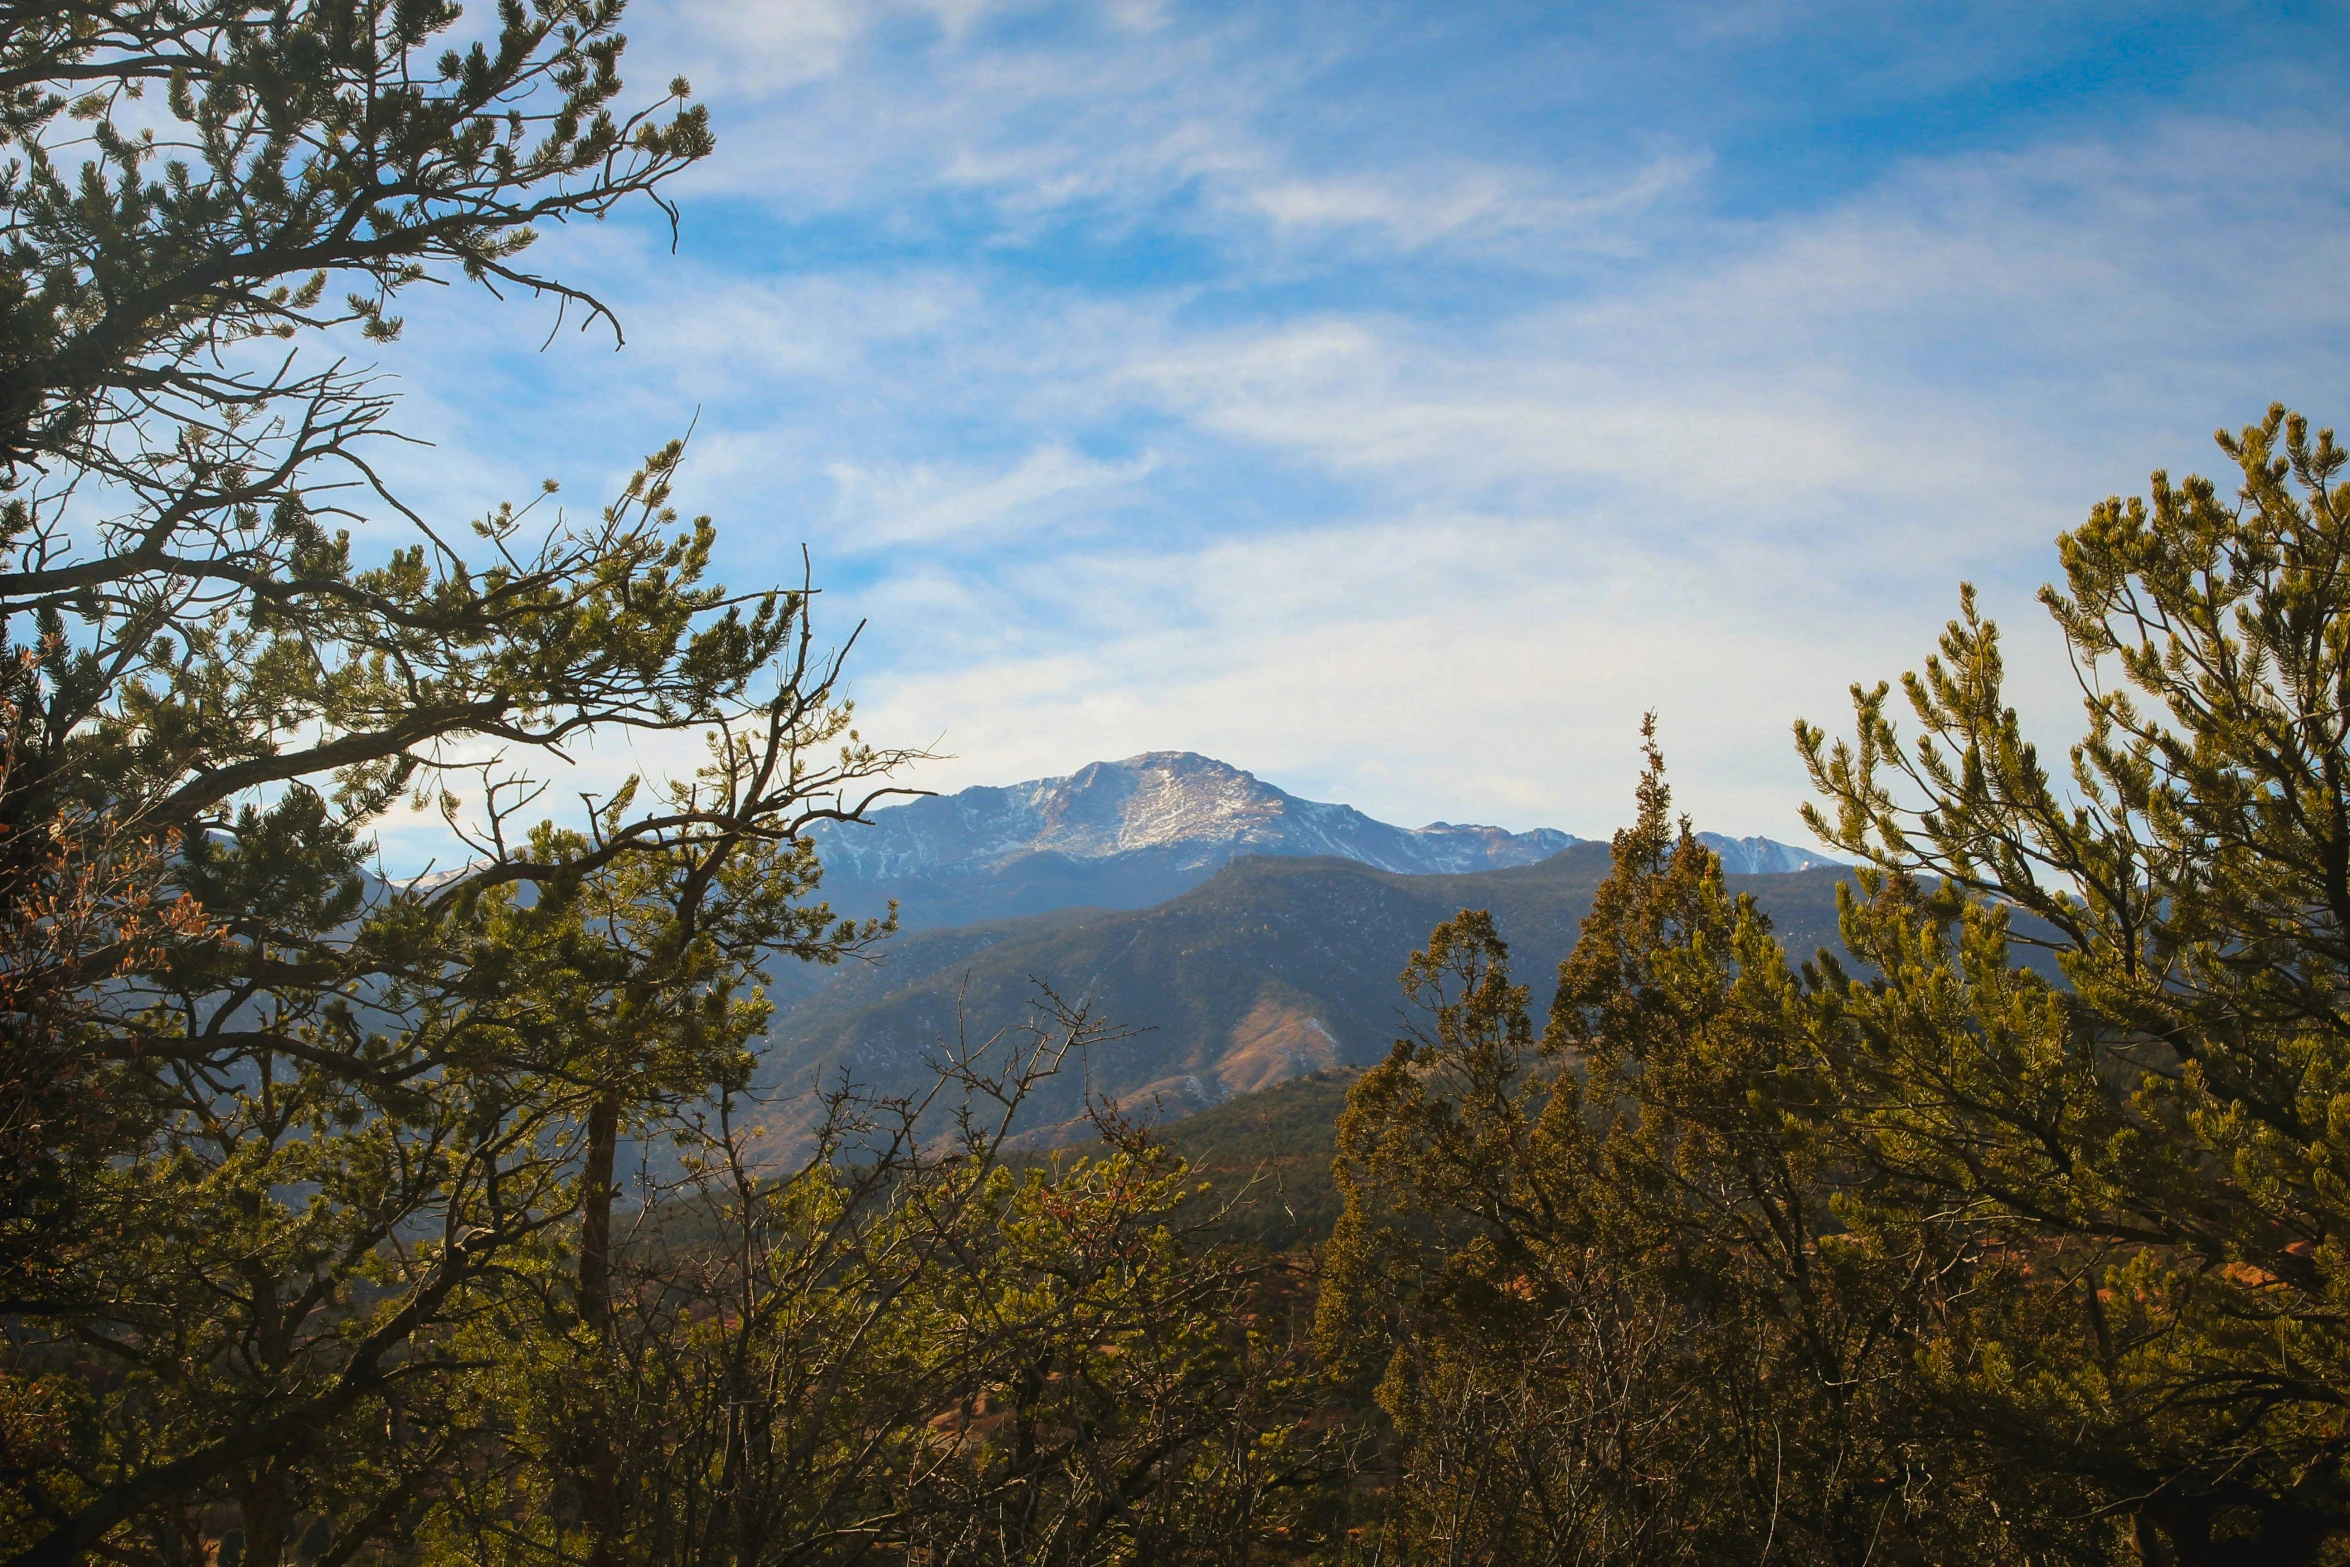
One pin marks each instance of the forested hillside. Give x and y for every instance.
(1272, 968)
(1265, 1161)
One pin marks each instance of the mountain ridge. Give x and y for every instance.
(1135, 832)
(1158, 800)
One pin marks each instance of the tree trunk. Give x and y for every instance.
(599, 1465)
(261, 1510)
(2177, 1533)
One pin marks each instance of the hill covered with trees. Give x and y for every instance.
(1271, 968)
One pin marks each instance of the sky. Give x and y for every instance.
(1396, 400)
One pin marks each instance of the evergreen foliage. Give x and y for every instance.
(1600, 1274)
(1950, 1255)
(2155, 1140)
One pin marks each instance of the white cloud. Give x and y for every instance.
(1459, 418)
(727, 45)
(1726, 491)
(1481, 208)
(1142, 16)
(1428, 540)
(901, 504)
(1115, 117)
(1457, 666)
(1944, 339)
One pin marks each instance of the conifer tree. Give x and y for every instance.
(1623, 1318)
(334, 1117)
(2147, 1146)
(313, 1236)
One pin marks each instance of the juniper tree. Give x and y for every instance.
(1620, 1317)
(341, 1267)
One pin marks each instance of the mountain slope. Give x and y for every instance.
(1266, 1159)
(1763, 856)
(1272, 968)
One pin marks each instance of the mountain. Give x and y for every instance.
(1129, 834)
(1764, 856)
(1273, 967)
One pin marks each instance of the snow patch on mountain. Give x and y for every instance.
(1763, 856)
(1132, 833)
(1200, 811)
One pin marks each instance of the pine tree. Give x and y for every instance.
(1625, 1320)
(2148, 1145)
(329, 1119)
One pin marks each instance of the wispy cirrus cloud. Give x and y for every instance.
(1122, 115)
(1400, 400)
(913, 503)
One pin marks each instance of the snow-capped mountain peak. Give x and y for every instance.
(1763, 856)
(1194, 809)
(1131, 833)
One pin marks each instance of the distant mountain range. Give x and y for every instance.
(1129, 834)
(1248, 936)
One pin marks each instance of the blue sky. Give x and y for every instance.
(1397, 399)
